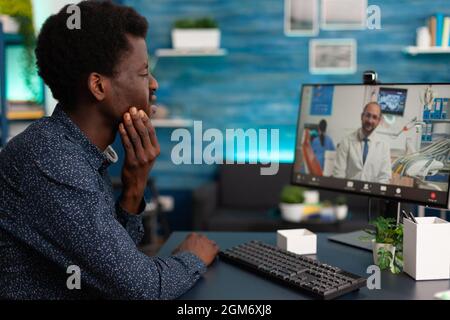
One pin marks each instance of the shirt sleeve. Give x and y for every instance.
(133, 223)
(70, 224)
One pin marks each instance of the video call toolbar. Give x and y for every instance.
(428, 197)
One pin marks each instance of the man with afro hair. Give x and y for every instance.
(57, 210)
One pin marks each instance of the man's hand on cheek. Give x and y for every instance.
(141, 149)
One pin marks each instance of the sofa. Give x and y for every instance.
(241, 199)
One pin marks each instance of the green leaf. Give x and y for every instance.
(387, 231)
(200, 23)
(384, 258)
(398, 262)
(395, 269)
(292, 194)
(341, 200)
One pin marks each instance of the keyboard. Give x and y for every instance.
(305, 274)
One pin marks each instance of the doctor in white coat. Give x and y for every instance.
(362, 155)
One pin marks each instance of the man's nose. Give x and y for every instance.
(153, 84)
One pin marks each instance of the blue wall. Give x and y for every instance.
(257, 84)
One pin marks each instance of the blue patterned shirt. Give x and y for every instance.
(57, 209)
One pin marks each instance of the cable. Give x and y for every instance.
(438, 150)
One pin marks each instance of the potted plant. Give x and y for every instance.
(291, 203)
(341, 208)
(10, 25)
(200, 33)
(19, 17)
(387, 244)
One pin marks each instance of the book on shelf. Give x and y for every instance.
(432, 28)
(24, 110)
(446, 33)
(439, 28)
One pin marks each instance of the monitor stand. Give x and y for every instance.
(353, 239)
(358, 239)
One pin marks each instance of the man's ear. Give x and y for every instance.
(97, 85)
(381, 119)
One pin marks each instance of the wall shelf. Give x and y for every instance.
(431, 50)
(437, 120)
(12, 38)
(190, 52)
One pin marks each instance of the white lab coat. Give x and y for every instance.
(349, 160)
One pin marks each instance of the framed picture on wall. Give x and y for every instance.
(343, 14)
(301, 18)
(332, 56)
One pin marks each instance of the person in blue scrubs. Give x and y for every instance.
(322, 143)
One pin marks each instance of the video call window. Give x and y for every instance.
(390, 140)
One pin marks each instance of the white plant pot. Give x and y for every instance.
(377, 246)
(292, 212)
(311, 196)
(327, 214)
(10, 25)
(196, 38)
(341, 212)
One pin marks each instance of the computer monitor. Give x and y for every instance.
(388, 141)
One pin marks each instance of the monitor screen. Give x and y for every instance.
(392, 100)
(390, 141)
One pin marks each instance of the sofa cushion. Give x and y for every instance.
(241, 186)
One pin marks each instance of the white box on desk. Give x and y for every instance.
(426, 248)
(300, 241)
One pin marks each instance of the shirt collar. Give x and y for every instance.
(95, 156)
(361, 135)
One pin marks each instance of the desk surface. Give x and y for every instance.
(224, 281)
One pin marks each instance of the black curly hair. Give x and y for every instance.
(65, 57)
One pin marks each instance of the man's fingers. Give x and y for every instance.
(133, 135)
(140, 128)
(126, 141)
(151, 130)
(215, 245)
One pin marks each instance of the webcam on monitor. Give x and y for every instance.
(370, 77)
